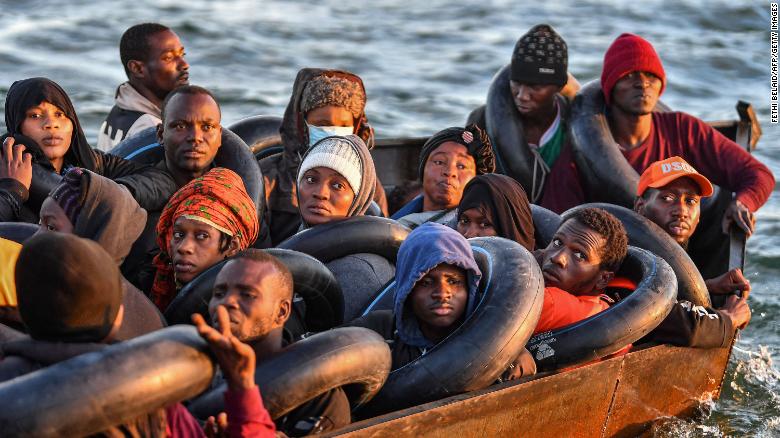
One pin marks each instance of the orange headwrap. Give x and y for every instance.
(217, 198)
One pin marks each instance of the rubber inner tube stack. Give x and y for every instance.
(510, 299)
(622, 324)
(92, 392)
(353, 357)
(259, 132)
(513, 155)
(644, 234)
(312, 282)
(604, 170)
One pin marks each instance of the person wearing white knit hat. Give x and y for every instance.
(336, 180)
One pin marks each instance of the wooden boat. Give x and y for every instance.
(617, 397)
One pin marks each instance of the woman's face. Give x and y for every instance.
(50, 128)
(324, 195)
(195, 247)
(473, 223)
(53, 218)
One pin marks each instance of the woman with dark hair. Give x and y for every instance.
(40, 116)
(496, 205)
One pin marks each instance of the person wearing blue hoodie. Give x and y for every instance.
(436, 286)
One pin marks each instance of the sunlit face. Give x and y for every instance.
(532, 99)
(251, 293)
(472, 223)
(165, 67)
(53, 218)
(447, 171)
(636, 93)
(439, 299)
(48, 125)
(191, 133)
(675, 207)
(195, 247)
(572, 260)
(324, 195)
(330, 115)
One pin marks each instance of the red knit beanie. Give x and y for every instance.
(629, 53)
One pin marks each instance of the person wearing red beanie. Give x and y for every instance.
(632, 80)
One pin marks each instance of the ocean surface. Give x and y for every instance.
(425, 66)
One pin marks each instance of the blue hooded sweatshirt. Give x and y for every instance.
(426, 247)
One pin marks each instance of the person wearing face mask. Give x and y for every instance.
(336, 181)
(323, 103)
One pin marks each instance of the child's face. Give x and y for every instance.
(439, 299)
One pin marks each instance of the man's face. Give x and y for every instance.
(191, 133)
(439, 299)
(572, 260)
(448, 169)
(250, 292)
(531, 99)
(194, 247)
(674, 207)
(165, 68)
(636, 93)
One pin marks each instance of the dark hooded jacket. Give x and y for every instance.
(280, 171)
(149, 186)
(428, 246)
(111, 217)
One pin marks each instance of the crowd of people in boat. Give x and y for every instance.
(117, 240)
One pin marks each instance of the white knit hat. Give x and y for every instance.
(335, 153)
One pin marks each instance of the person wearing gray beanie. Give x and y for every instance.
(336, 181)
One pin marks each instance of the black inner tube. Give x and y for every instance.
(510, 298)
(360, 234)
(644, 234)
(623, 323)
(89, 393)
(259, 132)
(353, 356)
(546, 223)
(313, 282)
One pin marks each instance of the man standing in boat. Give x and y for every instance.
(669, 194)
(632, 81)
(153, 58)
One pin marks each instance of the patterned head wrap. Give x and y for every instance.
(218, 199)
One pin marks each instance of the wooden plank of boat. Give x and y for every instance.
(615, 397)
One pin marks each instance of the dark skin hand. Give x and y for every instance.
(235, 358)
(15, 164)
(738, 214)
(738, 310)
(729, 282)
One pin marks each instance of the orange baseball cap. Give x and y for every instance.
(665, 171)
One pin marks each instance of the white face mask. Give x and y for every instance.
(317, 133)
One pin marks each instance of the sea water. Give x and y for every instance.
(426, 65)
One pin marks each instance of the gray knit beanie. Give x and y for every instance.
(338, 154)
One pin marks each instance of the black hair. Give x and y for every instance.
(190, 90)
(260, 256)
(134, 44)
(611, 229)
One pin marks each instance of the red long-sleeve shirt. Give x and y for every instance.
(721, 160)
(561, 308)
(247, 417)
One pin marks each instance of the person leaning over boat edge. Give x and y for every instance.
(256, 289)
(336, 181)
(436, 286)
(323, 103)
(669, 194)
(448, 161)
(152, 57)
(632, 81)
